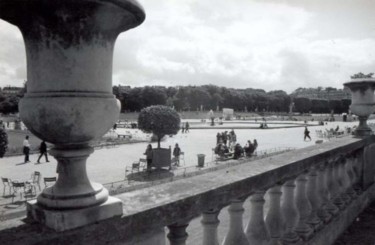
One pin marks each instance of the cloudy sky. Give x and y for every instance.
(268, 44)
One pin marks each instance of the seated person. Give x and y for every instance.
(249, 150)
(238, 151)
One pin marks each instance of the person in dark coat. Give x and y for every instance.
(43, 151)
(149, 155)
(306, 134)
(176, 154)
(187, 126)
(238, 151)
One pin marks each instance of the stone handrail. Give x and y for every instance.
(314, 194)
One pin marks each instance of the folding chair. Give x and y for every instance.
(48, 181)
(35, 179)
(22, 188)
(6, 183)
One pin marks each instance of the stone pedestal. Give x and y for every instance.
(61, 220)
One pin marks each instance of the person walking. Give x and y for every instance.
(187, 127)
(149, 155)
(176, 154)
(306, 134)
(43, 151)
(26, 148)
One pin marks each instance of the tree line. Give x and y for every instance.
(207, 97)
(211, 97)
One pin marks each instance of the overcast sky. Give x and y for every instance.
(268, 44)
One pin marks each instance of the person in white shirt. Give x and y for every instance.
(26, 148)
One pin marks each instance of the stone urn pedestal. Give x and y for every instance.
(363, 102)
(69, 100)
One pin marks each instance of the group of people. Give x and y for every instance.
(150, 156)
(185, 127)
(27, 146)
(226, 138)
(227, 146)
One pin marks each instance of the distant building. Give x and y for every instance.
(11, 90)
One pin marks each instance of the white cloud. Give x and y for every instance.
(241, 43)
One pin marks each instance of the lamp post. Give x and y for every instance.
(69, 101)
(363, 101)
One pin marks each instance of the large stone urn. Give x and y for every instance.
(363, 101)
(69, 100)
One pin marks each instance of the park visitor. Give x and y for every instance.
(238, 151)
(43, 151)
(176, 154)
(307, 134)
(187, 127)
(249, 149)
(149, 156)
(26, 149)
(218, 138)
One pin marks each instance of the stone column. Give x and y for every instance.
(349, 169)
(331, 184)
(236, 235)
(339, 200)
(289, 213)
(210, 222)
(323, 213)
(304, 208)
(344, 180)
(314, 199)
(177, 234)
(274, 219)
(256, 231)
(69, 100)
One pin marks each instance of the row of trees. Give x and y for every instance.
(202, 97)
(207, 97)
(212, 97)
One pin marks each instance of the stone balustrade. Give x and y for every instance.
(311, 194)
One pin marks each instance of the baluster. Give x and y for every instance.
(210, 222)
(314, 199)
(343, 180)
(323, 213)
(304, 208)
(356, 171)
(177, 233)
(349, 169)
(236, 235)
(256, 231)
(274, 219)
(334, 189)
(289, 213)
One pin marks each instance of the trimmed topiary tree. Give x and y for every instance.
(3, 142)
(159, 120)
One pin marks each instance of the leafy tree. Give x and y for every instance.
(159, 120)
(302, 105)
(3, 142)
(153, 96)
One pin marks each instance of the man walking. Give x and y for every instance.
(26, 148)
(307, 134)
(43, 151)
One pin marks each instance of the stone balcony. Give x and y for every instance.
(313, 195)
